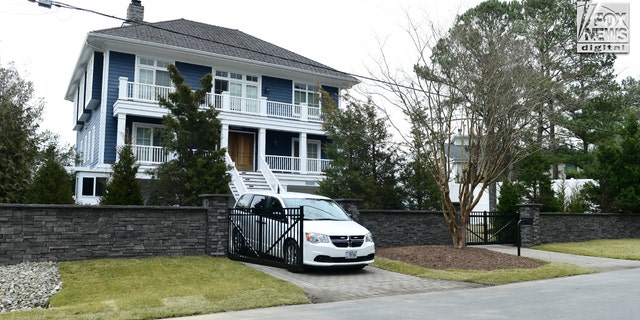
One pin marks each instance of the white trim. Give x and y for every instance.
(136, 125)
(154, 67)
(103, 105)
(309, 141)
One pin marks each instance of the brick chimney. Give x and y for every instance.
(135, 12)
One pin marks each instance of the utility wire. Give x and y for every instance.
(151, 25)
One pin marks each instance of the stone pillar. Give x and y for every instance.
(351, 206)
(217, 206)
(529, 224)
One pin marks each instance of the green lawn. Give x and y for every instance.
(170, 287)
(620, 249)
(494, 277)
(628, 249)
(159, 288)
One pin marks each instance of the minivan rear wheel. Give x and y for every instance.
(291, 256)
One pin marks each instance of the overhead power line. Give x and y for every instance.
(50, 3)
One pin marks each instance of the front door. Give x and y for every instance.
(241, 150)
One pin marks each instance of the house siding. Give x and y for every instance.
(120, 65)
(281, 90)
(192, 73)
(98, 62)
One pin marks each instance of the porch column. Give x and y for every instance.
(121, 135)
(303, 153)
(224, 136)
(262, 146)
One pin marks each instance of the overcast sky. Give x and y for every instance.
(45, 43)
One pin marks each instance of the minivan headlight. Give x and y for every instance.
(368, 237)
(317, 237)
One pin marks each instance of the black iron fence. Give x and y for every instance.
(269, 238)
(492, 228)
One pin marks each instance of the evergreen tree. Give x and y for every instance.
(510, 197)
(617, 171)
(419, 187)
(192, 133)
(123, 188)
(533, 173)
(18, 128)
(364, 161)
(52, 184)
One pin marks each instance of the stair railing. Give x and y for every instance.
(268, 175)
(236, 180)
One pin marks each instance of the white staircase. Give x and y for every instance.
(254, 180)
(243, 181)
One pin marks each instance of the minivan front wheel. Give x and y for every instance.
(291, 256)
(238, 242)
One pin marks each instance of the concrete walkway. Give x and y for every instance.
(595, 263)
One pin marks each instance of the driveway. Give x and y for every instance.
(339, 285)
(606, 295)
(375, 294)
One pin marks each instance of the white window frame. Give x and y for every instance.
(134, 128)
(296, 142)
(157, 65)
(244, 80)
(308, 90)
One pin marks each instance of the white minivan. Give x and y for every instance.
(330, 237)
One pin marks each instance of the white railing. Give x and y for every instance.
(151, 154)
(147, 92)
(268, 175)
(224, 101)
(283, 163)
(236, 180)
(292, 164)
(317, 165)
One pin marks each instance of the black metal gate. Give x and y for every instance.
(269, 238)
(492, 228)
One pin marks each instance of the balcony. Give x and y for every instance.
(140, 92)
(151, 155)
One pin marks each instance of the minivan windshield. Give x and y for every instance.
(318, 209)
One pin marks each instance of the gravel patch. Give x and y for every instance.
(28, 285)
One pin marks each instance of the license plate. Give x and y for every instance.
(351, 254)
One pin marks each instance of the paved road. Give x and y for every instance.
(607, 295)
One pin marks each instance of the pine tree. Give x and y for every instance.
(52, 183)
(364, 160)
(19, 138)
(123, 188)
(193, 134)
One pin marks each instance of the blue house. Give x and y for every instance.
(267, 96)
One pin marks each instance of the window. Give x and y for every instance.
(243, 90)
(93, 186)
(147, 140)
(313, 148)
(152, 74)
(304, 93)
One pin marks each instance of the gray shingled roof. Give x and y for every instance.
(218, 40)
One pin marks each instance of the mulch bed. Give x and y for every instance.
(448, 257)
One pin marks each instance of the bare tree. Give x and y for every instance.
(474, 96)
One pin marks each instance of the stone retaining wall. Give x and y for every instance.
(69, 232)
(576, 227)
